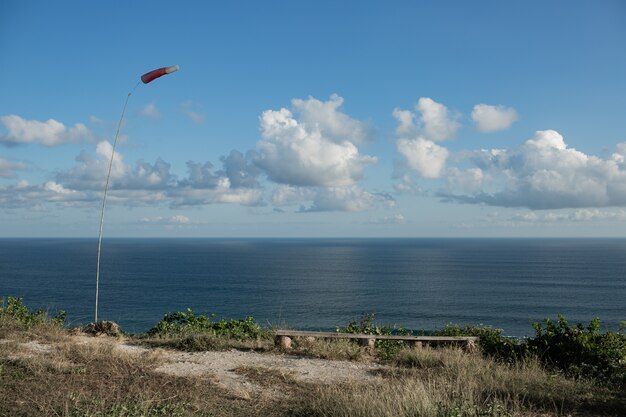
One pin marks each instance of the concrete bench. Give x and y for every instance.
(283, 339)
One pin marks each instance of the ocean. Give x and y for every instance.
(319, 284)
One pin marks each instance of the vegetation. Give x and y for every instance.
(562, 370)
(450, 382)
(16, 317)
(188, 331)
(578, 351)
(186, 322)
(385, 349)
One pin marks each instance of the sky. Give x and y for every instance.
(314, 119)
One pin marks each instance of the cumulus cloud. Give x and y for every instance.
(222, 192)
(434, 122)
(90, 171)
(465, 180)
(28, 195)
(287, 195)
(8, 169)
(493, 118)
(424, 156)
(417, 135)
(350, 198)
(49, 133)
(240, 169)
(315, 148)
(438, 123)
(331, 123)
(141, 184)
(545, 173)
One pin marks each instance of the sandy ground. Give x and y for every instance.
(221, 366)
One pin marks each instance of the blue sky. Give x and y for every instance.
(408, 119)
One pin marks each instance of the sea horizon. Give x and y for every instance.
(322, 283)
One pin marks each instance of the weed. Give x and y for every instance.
(385, 349)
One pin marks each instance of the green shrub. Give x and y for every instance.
(577, 350)
(385, 349)
(181, 323)
(14, 310)
(492, 342)
(581, 351)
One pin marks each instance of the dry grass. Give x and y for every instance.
(79, 377)
(269, 377)
(448, 382)
(333, 349)
(66, 375)
(200, 342)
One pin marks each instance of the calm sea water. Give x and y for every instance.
(323, 283)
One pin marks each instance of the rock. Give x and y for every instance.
(104, 327)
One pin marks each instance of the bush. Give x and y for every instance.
(581, 351)
(181, 323)
(385, 349)
(15, 311)
(577, 350)
(492, 343)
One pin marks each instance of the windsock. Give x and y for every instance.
(154, 74)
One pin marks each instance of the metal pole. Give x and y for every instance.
(104, 200)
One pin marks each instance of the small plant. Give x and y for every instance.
(14, 310)
(492, 342)
(185, 323)
(385, 349)
(581, 351)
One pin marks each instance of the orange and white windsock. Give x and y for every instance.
(154, 74)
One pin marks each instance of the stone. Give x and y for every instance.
(104, 327)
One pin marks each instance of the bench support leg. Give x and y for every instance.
(368, 343)
(284, 342)
(470, 346)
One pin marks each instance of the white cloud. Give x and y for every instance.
(493, 118)
(220, 193)
(150, 110)
(580, 215)
(195, 116)
(437, 122)
(8, 169)
(177, 219)
(406, 122)
(96, 120)
(544, 173)
(285, 195)
(424, 156)
(49, 133)
(465, 180)
(25, 195)
(142, 184)
(317, 149)
(434, 122)
(331, 123)
(351, 198)
(416, 141)
(397, 218)
(90, 173)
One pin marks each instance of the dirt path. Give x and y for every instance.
(224, 367)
